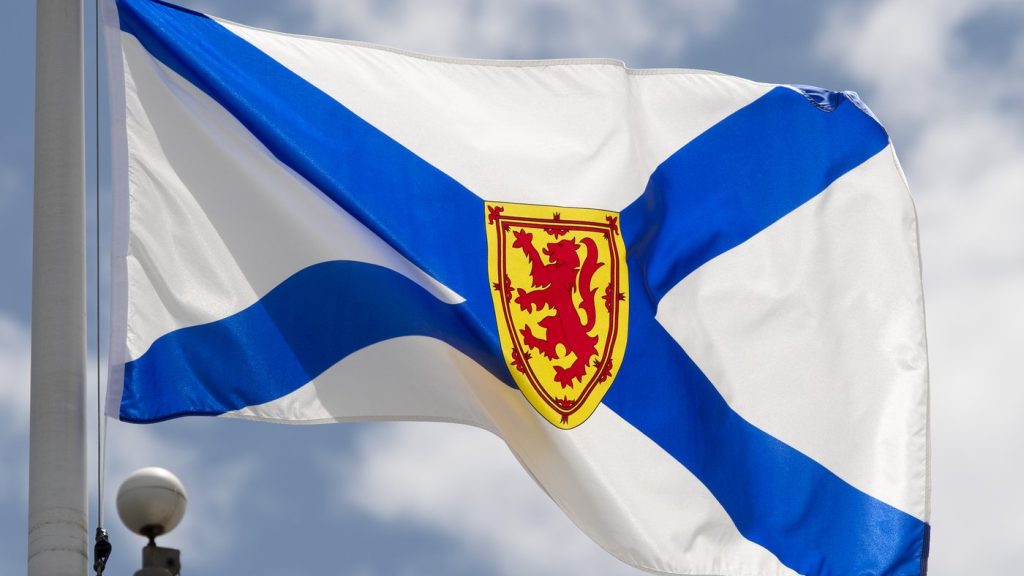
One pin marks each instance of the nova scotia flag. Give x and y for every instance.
(689, 303)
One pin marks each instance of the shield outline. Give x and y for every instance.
(500, 217)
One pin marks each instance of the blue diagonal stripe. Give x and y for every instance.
(739, 177)
(814, 522)
(439, 225)
(294, 333)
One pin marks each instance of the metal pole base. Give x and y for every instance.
(157, 561)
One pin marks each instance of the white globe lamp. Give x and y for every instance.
(151, 501)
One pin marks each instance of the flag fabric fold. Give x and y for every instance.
(689, 303)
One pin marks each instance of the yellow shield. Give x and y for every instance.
(560, 293)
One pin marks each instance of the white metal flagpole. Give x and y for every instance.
(57, 522)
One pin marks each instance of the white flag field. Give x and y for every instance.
(689, 303)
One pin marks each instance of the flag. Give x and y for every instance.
(689, 303)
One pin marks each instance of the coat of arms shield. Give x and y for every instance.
(560, 292)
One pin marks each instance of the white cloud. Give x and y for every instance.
(977, 335)
(465, 483)
(14, 374)
(964, 163)
(636, 30)
(14, 406)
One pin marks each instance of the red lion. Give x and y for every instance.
(556, 283)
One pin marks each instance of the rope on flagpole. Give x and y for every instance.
(102, 548)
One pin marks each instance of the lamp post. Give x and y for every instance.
(151, 502)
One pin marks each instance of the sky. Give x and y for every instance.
(945, 77)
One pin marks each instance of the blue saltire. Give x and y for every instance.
(713, 194)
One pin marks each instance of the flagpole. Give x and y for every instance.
(57, 533)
